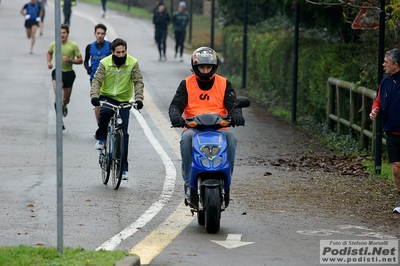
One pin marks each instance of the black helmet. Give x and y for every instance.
(204, 56)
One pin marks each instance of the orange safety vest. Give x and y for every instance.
(201, 102)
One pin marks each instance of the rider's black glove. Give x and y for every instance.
(237, 120)
(178, 121)
(89, 71)
(95, 101)
(139, 105)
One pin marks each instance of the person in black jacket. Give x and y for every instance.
(180, 20)
(161, 21)
(203, 92)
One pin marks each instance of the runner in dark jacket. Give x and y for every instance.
(161, 21)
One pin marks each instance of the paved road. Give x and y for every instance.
(146, 214)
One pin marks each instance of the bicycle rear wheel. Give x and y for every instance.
(117, 159)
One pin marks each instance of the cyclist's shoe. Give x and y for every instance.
(64, 110)
(397, 209)
(124, 177)
(63, 127)
(99, 145)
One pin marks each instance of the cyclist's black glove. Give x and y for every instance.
(95, 101)
(89, 71)
(237, 120)
(178, 121)
(139, 105)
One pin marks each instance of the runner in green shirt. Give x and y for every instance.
(70, 55)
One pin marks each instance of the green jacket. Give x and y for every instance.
(180, 20)
(118, 83)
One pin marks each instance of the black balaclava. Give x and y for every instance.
(119, 61)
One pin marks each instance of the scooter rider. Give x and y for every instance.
(203, 92)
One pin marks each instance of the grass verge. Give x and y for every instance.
(48, 256)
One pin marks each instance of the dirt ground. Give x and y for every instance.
(299, 174)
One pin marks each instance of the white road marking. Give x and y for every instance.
(232, 241)
(351, 230)
(166, 193)
(155, 242)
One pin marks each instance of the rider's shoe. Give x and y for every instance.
(64, 110)
(397, 209)
(99, 145)
(124, 177)
(187, 194)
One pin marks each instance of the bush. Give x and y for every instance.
(270, 68)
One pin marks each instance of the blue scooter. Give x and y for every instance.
(210, 177)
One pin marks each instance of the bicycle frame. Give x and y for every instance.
(111, 158)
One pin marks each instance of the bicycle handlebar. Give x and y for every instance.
(122, 105)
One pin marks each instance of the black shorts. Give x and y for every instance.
(68, 78)
(29, 23)
(393, 147)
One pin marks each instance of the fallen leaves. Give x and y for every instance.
(344, 165)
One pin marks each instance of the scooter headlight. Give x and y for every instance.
(210, 151)
(217, 161)
(119, 121)
(205, 162)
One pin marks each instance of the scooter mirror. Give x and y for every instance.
(242, 102)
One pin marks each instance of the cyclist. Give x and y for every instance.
(203, 92)
(117, 78)
(94, 52)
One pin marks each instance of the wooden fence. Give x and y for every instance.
(348, 111)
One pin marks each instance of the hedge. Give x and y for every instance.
(270, 68)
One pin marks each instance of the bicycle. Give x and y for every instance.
(111, 157)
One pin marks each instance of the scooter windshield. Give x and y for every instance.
(204, 138)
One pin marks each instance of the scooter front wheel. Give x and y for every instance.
(212, 206)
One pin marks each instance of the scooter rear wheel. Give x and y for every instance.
(212, 206)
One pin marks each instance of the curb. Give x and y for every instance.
(129, 261)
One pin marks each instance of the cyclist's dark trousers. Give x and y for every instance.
(101, 133)
(179, 41)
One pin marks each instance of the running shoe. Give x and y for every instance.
(397, 209)
(99, 145)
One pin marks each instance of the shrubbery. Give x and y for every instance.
(270, 68)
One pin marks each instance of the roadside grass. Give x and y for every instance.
(386, 170)
(49, 256)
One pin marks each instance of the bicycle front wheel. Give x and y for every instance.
(105, 166)
(117, 159)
